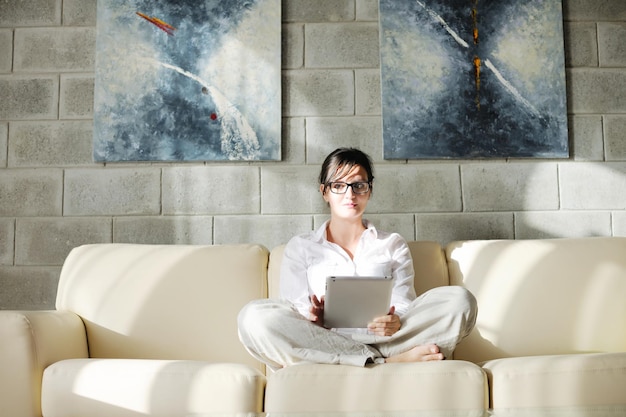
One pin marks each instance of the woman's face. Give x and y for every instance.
(348, 205)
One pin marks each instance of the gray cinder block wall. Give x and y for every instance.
(54, 197)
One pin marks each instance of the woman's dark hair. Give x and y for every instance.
(341, 161)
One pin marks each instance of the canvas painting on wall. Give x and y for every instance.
(187, 80)
(473, 79)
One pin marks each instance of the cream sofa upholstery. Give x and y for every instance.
(551, 327)
(139, 330)
(151, 330)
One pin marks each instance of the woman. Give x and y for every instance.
(289, 331)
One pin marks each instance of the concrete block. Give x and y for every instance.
(25, 98)
(602, 10)
(28, 288)
(597, 90)
(403, 224)
(560, 224)
(510, 186)
(413, 188)
(367, 86)
(319, 219)
(367, 10)
(612, 44)
(79, 12)
(269, 231)
(619, 223)
(112, 191)
(318, 93)
(587, 138)
(175, 230)
(4, 134)
(16, 13)
(7, 240)
(581, 44)
(55, 49)
(48, 241)
(33, 144)
(290, 190)
(341, 45)
(6, 50)
(292, 46)
(325, 134)
(293, 141)
(318, 10)
(449, 227)
(211, 190)
(593, 186)
(76, 97)
(615, 137)
(31, 192)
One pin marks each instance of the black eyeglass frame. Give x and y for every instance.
(351, 185)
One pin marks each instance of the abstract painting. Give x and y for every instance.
(187, 80)
(473, 79)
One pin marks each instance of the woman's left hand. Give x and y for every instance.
(385, 325)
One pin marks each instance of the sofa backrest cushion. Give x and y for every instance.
(542, 297)
(163, 301)
(429, 262)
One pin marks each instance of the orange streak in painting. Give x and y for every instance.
(475, 24)
(169, 29)
(477, 65)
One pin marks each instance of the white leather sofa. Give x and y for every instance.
(142, 330)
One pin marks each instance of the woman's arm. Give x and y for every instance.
(293, 277)
(403, 274)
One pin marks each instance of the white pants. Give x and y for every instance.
(275, 333)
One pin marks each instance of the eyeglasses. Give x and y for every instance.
(342, 187)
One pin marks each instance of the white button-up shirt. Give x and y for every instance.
(309, 258)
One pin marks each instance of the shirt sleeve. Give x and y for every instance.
(404, 275)
(293, 276)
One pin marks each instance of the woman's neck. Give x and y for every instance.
(346, 234)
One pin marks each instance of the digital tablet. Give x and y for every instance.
(354, 301)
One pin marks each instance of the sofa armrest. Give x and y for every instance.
(29, 342)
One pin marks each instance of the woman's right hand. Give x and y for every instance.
(316, 312)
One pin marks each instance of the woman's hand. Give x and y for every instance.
(385, 325)
(316, 312)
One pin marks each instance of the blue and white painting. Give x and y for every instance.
(187, 80)
(473, 79)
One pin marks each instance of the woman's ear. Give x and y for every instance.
(323, 192)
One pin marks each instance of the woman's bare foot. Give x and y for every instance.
(422, 353)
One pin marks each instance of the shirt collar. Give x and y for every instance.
(370, 230)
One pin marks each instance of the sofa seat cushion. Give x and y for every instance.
(447, 385)
(558, 380)
(135, 387)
